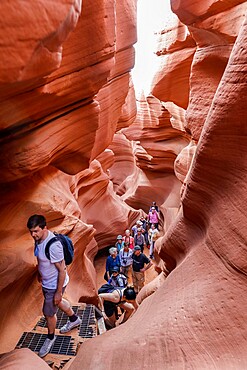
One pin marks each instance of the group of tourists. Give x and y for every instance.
(126, 256)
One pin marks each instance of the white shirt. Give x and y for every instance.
(125, 257)
(47, 268)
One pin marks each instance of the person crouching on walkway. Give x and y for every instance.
(54, 278)
(121, 297)
(140, 264)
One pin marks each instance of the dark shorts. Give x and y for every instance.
(49, 308)
(110, 308)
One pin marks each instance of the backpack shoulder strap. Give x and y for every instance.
(47, 247)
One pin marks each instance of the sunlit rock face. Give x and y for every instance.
(65, 90)
(176, 50)
(197, 317)
(156, 146)
(78, 148)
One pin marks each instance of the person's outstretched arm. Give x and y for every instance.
(61, 267)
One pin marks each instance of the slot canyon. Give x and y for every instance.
(79, 145)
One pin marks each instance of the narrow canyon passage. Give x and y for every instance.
(99, 263)
(88, 148)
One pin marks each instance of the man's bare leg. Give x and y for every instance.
(51, 323)
(65, 307)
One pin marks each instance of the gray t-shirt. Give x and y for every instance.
(47, 268)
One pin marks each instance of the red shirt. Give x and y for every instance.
(130, 240)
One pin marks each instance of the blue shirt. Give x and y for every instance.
(111, 262)
(119, 246)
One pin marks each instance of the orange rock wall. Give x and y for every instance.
(72, 147)
(196, 317)
(78, 147)
(64, 87)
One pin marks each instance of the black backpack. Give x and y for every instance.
(106, 288)
(68, 247)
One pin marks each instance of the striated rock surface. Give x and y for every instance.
(155, 144)
(215, 37)
(195, 319)
(77, 147)
(66, 88)
(176, 49)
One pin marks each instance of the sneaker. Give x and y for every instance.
(70, 325)
(48, 343)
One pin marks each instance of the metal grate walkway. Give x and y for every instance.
(65, 346)
(87, 329)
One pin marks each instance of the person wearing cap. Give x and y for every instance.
(139, 239)
(137, 225)
(140, 264)
(155, 206)
(117, 279)
(153, 217)
(119, 243)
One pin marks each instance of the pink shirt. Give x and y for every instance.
(153, 217)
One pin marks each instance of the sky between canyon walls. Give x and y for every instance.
(152, 17)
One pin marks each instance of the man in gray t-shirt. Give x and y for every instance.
(52, 273)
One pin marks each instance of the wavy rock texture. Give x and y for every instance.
(66, 89)
(156, 146)
(176, 49)
(76, 147)
(195, 319)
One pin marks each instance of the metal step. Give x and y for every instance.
(65, 346)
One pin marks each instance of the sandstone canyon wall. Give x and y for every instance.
(196, 319)
(65, 87)
(78, 147)
(66, 97)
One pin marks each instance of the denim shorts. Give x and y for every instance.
(49, 308)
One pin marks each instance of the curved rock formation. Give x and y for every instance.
(76, 147)
(176, 51)
(20, 359)
(196, 319)
(67, 87)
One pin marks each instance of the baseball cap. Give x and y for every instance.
(137, 248)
